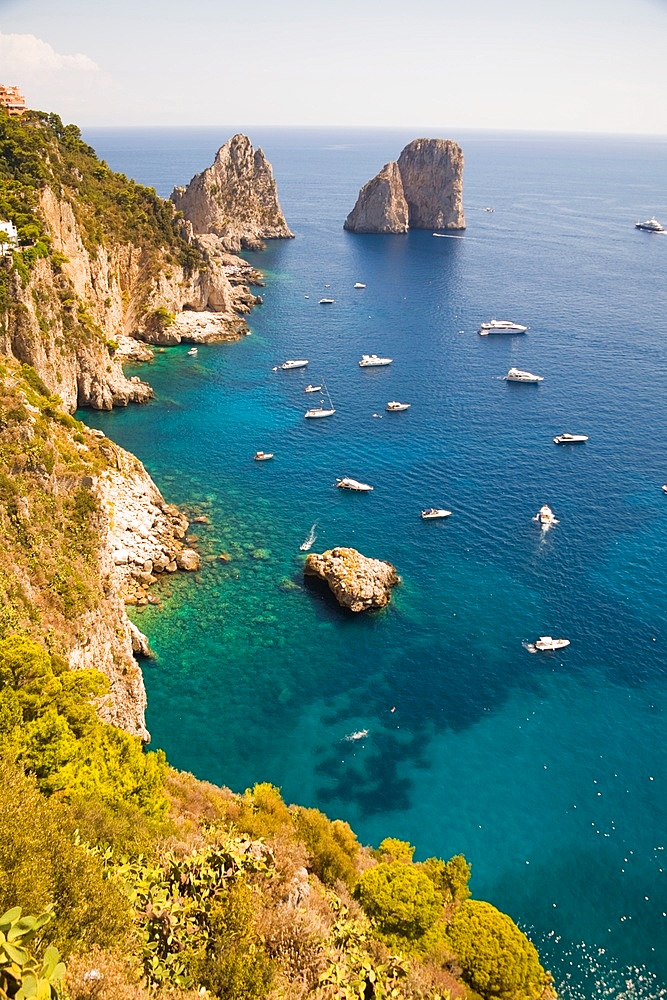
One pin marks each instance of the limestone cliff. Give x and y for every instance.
(432, 175)
(381, 206)
(105, 259)
(235, 199)
(423, 190)
(83, 531)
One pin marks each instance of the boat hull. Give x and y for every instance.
(353, 484)
(315, 414)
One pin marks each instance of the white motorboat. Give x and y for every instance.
(570, 439)
(288, 365)
(263, 456)
(373, 361)
(545, 516)
(517, 375)
(546, 643)
(500, 326)
(358, 284)
(396, 407)
(313, 388)
(353, 484)
(309, 540)
(664, 488)
(434, 512)
(326, 302)
(650, 226)
(321, 410)
(192, 352)
(359, 734)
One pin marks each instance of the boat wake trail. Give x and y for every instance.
(309, 540)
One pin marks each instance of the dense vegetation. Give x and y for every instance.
(120, 878)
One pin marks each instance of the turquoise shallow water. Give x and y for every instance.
(548, 772)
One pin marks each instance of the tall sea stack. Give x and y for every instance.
(235, 199)
(423, 190)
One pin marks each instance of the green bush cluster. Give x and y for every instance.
(49, 723)
(23, 976)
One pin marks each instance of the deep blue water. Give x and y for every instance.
(547, 771)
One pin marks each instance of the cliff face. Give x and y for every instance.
(83, 531)
(432, 175)
(381, 206)
(235, 199)
(106, 259)
(423, 190)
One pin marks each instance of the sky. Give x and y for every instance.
(563, 65)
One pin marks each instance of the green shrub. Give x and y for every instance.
(449, 877)
(497, 960)
(332, 845)
(395, 850)
(42, 864)
(399, 898)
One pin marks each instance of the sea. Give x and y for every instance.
(431, 720)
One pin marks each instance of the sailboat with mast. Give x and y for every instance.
(322, 410)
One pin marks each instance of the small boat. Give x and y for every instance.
(546, 643)
(309, 540)
(434, 512)
(358, 284)
(545, 516)
(326, 302)
(489, 209)
(570, 439)
(263, 456)
(500, 326)
(192, 351)
(650, 226)
(373, 361)
(664, 488)
(321, 410)
(313, 388)
(516, 375)
(288, 365)
(396, 407)
(353, 484)
(360, 734)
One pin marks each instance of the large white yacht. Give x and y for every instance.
(373, 361)
(570, 439)
(516, 375)
(650, 226)
(353, 484)
(500, 326)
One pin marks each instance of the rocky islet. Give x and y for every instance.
(422, 190)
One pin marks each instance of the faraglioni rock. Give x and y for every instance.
(235, 199)
(423, 190)
(381, 206)
(357, 582)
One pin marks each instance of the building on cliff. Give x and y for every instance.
(12, 100)
(9, 237)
